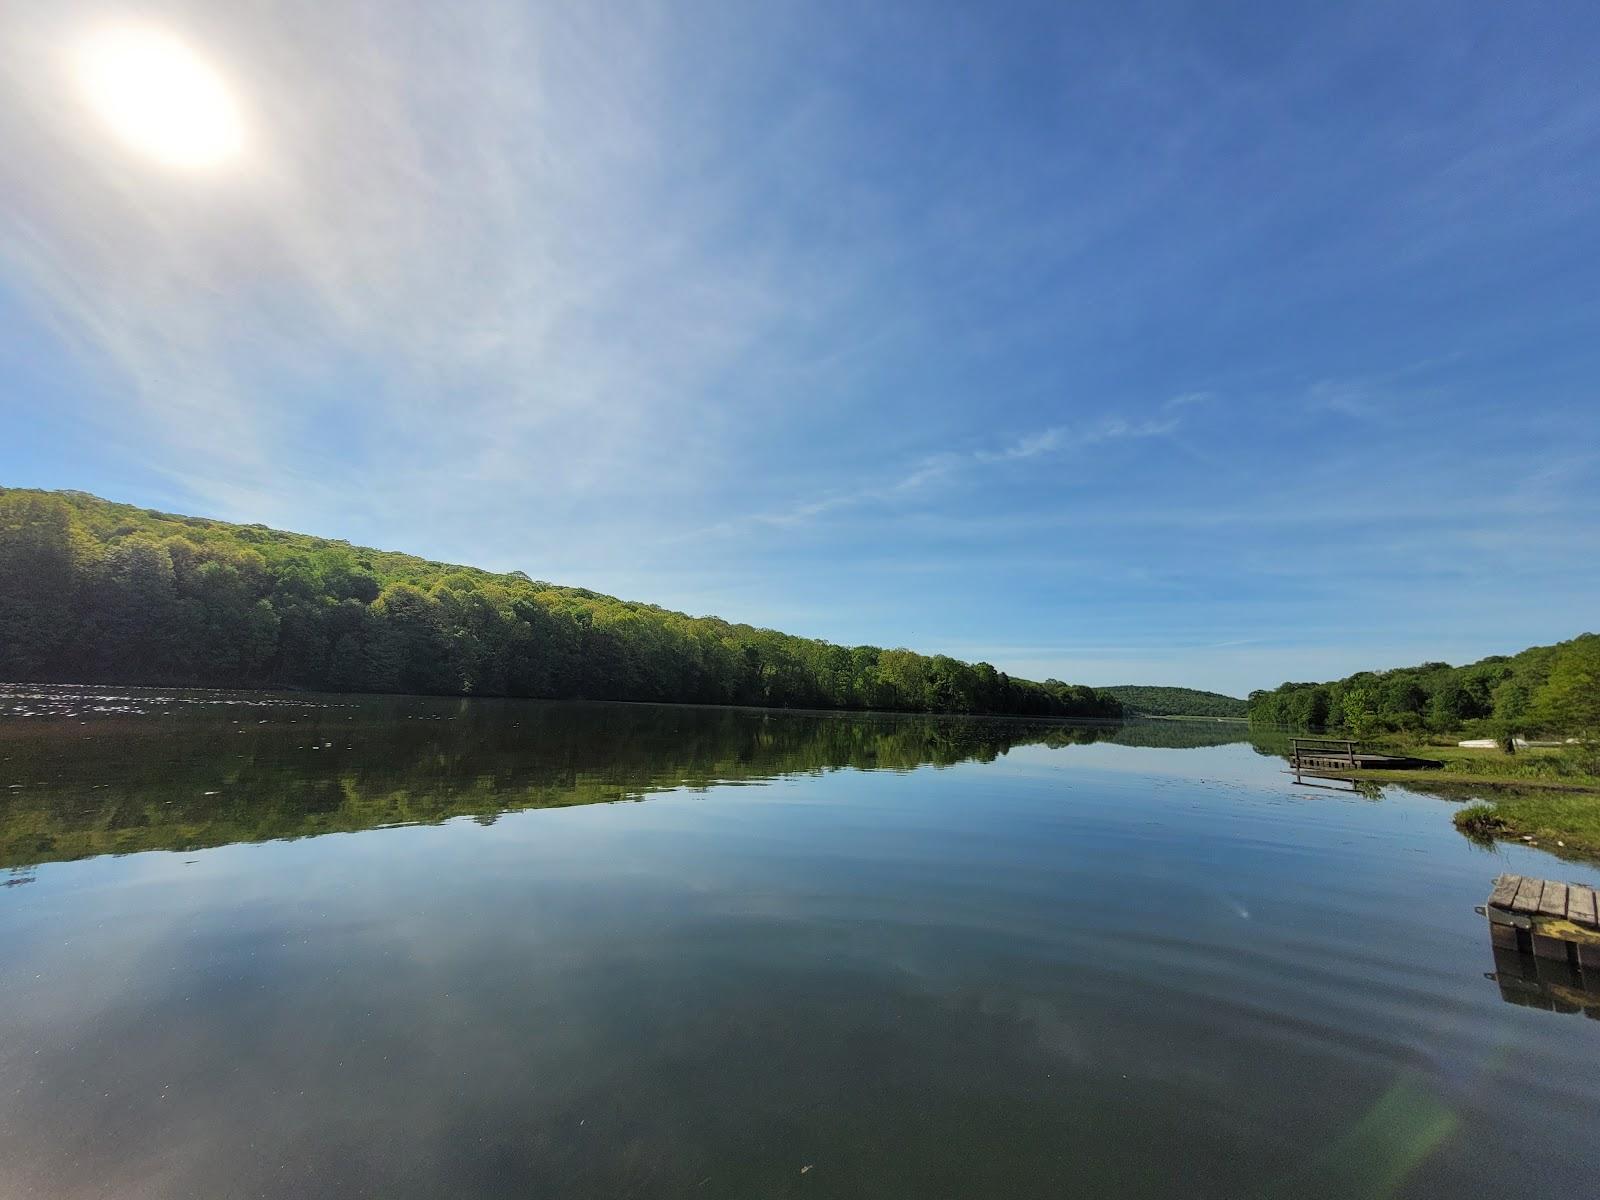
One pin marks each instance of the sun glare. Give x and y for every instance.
(160, 97)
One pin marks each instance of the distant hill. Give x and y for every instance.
(1176, 701)
(93, 591)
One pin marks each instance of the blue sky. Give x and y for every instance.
(1210, 344)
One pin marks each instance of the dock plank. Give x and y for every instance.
(1527, 897)
(1553, 902)
(1505, 891)
(1581, 909)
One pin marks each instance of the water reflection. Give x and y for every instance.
(1364, 788)
(1047, 963)
(89, 771)
(1544, 983)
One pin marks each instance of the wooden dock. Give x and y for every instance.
(1559, 921)
(1335, 756)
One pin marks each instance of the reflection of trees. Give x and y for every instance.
(207, 777)
(1179, 735)
(1273, 741)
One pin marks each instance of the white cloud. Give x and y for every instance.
(1065, 437)
(459, 254)
(947, 466)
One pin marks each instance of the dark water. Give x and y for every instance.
(258, 946)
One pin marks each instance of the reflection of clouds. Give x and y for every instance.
(611, 997)
(1053, 1031)
(251, 1021)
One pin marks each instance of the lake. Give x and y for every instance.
(291, 946)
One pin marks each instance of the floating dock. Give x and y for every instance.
(1332, 756)
(1559, 921)
(1546, 944)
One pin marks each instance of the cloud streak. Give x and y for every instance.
(788, 310)
(947, 468)
(462, 228)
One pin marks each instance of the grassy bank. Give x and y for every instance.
(1564, 822)
(1536, 767)
(1550, 795)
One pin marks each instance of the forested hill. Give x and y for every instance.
(96, 591)
(1176, 701)
(1554, 689)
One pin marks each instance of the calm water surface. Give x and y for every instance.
(271, 946)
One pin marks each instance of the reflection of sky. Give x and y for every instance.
(1069, 968)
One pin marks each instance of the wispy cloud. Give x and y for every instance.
(946, 467)
(1060, 438)
(571, 286)
(459, 251)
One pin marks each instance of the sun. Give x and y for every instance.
(159, 97)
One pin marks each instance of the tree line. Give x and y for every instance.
(1546, 689)
(92, 590)
(1175, 701)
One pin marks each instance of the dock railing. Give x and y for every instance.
(1322, 754)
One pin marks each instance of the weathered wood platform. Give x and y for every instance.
(1559, 921)
(1336, 755)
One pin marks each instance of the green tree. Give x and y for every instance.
(411, 621)
(1360, 710)
(95, 590)
(1569, 701)
(43, 552)
(132, 626)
